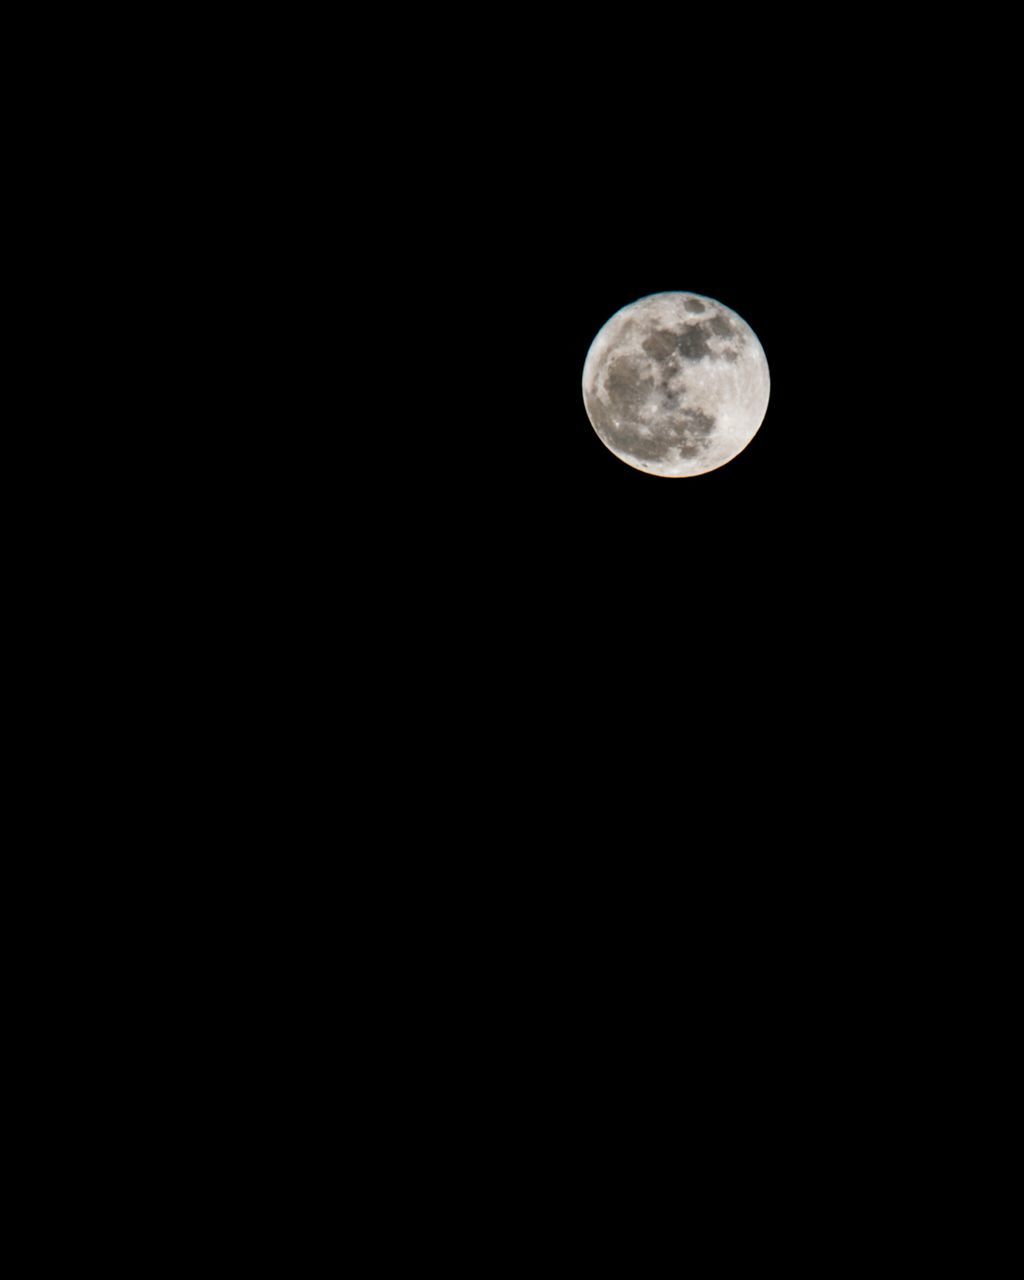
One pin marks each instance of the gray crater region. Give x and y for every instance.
(676, 384)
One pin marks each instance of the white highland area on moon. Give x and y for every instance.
(676, 384)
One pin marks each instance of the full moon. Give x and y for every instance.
(676, 384)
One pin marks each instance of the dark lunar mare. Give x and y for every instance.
(661, 344)
(721, 325)
(692, 343)
(696, 431)
(693, 340)
(618, 420)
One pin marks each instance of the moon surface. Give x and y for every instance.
(676, 384)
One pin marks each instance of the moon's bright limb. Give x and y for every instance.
(676, 384)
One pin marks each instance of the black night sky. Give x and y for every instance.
(531, 581)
